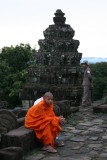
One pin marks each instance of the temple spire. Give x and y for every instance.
(59, 18)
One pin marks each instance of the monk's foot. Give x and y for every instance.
(49, 149)
(59, 143)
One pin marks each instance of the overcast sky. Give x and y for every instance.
(23, 21)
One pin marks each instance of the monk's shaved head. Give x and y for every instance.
(48, 94)
(48, 98)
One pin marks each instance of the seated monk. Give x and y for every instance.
(45, 124)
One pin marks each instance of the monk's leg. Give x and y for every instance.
(55, 129)
(47, 136)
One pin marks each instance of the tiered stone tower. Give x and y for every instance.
(57, 64)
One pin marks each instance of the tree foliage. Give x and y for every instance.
(99, 74)
(13, 64)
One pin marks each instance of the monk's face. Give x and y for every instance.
(49, 100)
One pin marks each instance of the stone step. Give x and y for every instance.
(20, 137)
(11, 153)
(100, 108)
(21, 121)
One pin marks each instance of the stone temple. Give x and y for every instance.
(57, 67)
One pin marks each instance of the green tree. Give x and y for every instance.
(99, 74)
(13, 64)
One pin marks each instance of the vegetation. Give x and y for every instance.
(99, 74)
(13, 64)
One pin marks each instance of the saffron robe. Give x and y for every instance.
(43, 121)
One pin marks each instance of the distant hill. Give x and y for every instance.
(94, 59)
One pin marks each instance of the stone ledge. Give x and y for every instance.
(100, 108)
(20, 137)
(21, 121)
(11, 153)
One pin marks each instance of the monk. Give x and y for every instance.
(45, 124)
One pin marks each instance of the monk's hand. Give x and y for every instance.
(61, 120)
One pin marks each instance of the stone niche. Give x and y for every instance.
(57, 66)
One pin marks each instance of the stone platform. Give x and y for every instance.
(100, 108)
(20, 137)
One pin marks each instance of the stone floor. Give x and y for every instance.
(85, 138)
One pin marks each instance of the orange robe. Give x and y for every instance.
(43, 121)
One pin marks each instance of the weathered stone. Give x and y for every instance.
(8, 121)
(11, 153)
(100, 108)
(103, 155)
(93, 154)
(75, 145)
(70, 128)
(94, 138)
(76, 131)
(52, 158)
(95, 145)
(56, 109)
(21, 121)
(35, 157)
(3, 104)
(27, 103)
(97, 121)
(86, 124)
(20, 112)
(81, 127)
(104, 137)
(64, 106)
(74, 109)
(79, 139)
(20, 137)
(85, 133)
(95, 129)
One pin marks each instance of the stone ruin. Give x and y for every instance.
(57, 67)
(15, 139)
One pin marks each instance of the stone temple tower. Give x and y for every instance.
(57, 65)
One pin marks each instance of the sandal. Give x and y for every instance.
(49, 149)
(59, 144)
